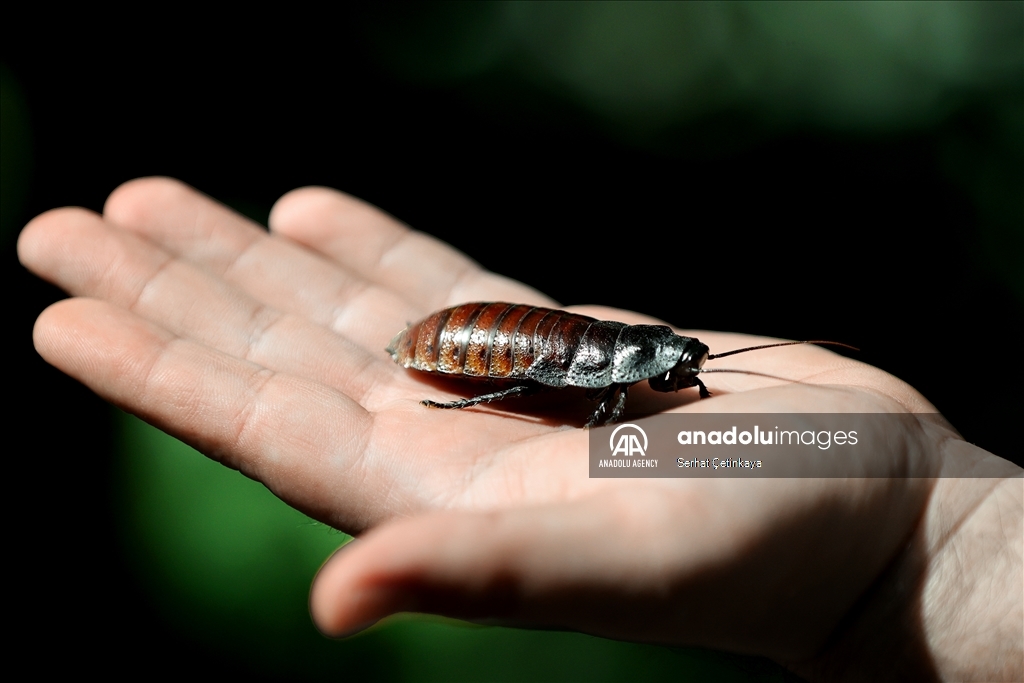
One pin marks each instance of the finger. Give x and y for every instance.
(699, 563)
(272, 270)
(382, 250)
(76, 250)
(577, 565)
(303, 440)
(527, 565)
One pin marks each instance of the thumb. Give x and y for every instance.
(553, 565)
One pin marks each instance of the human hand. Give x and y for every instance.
(266, 353)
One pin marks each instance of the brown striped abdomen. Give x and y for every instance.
(490, 340)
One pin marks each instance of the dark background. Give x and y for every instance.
(775, 205)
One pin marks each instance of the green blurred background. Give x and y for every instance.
(711, 136)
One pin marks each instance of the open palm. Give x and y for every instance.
(266, 353)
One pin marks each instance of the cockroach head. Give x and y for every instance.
(684, 373)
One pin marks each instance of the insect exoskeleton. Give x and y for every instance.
(536, 348)
(539, 348)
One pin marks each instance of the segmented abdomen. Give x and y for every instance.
(508, 341)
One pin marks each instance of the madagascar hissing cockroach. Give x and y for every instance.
(538, 348)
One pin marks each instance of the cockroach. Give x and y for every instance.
(538, 348)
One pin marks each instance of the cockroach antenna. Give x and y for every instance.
(704, 371)
(769, 346)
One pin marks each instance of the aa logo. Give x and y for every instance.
(625, 440)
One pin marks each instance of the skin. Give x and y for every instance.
(265, 353)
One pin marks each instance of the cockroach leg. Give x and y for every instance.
(620, 404)
(519, 390)
(616, 394)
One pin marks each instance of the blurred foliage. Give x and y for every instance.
(650, 65)
(15, 154)
(231, 565)
(679, 78)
